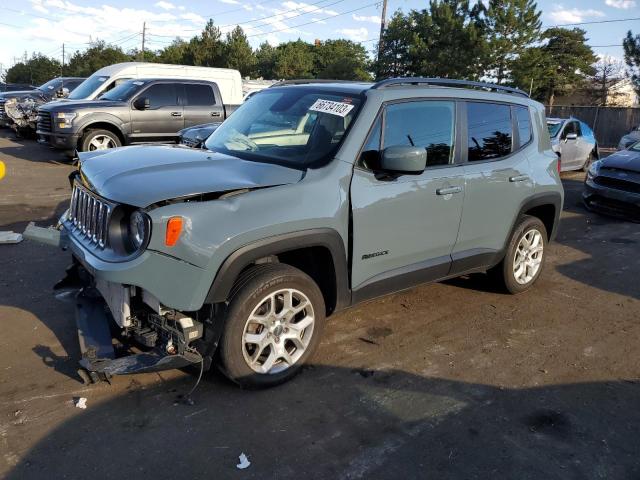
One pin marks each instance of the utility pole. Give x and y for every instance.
(144, 31)
(383, 27)
(62, 69)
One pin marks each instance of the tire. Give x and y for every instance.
(254, 365)
(92, 139)
(590, 159)
(505, 273)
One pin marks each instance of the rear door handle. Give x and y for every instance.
(216, 114)
(519, 178)
(448, 190)
(176, 114)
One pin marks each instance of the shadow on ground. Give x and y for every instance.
(336, 423)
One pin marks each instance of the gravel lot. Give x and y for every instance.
(449, 380)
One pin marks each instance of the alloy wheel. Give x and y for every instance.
(528, 256)
(278, 331)
(101, 142)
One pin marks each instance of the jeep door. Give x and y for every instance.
(163, 117)
(405, 226)
(200, 105)
(498, 180)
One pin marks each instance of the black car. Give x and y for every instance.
(195, 136)
(612, 185)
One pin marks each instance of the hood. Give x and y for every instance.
(65, 104)
(143, 175)
(200, 132)
(623, 160)
(23, 95)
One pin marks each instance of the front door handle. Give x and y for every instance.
(519, 178)
(448, 190)
(216, 114)
(176, 114)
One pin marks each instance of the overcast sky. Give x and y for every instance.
(43, 25)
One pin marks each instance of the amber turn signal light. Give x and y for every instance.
(174, 229)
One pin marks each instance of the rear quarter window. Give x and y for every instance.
(523, 120)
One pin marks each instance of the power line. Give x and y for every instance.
(595, 22)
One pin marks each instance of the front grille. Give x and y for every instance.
(44, 121)
(617, 183)
(190, 142)
(90, 216)
(3, 115)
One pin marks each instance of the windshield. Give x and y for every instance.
(51, 85)
(124, 91)
(293, 126)
(554, 128)
(87, 87)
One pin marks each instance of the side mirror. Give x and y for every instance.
(141, 103)
(571, 136)
(63, 92)
(403, 159)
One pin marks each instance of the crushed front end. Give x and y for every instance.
(123, 328)
(23, 115)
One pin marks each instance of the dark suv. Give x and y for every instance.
(136, 111)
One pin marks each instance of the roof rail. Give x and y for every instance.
(447, 82)
(303, 81)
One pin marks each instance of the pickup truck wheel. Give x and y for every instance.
(273, 324)
(99, 140)
(524, 259)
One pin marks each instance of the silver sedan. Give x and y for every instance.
(574, 142)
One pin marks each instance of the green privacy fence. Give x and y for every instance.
(608, 123)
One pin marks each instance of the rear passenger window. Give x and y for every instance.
(199, 94)
(489, 130)
(428, 124)
(524, 124)
(161, 95)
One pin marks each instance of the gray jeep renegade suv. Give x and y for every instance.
(312, 197)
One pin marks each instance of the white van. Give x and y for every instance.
(229, 81)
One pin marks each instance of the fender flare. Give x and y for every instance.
(246, 255)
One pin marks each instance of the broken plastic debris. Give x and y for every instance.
(81, 403)
(10, 237)
(244, 462)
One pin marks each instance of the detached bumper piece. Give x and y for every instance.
(99, 361)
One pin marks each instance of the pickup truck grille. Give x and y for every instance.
(3, 115)
(44, 121)
(90, 216)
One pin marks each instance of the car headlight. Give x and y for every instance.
(594, 169)
(139, 229)
(65, 119)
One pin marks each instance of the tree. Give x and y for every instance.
(512, 26)
(631, 47)
(98, 55)
(341, 60)
(35, 71)
(206, 49)
(238, 53)
(266, 60)
(447, 40)
(608, 71)
(560, 66)
(174, 53)
(293, 60)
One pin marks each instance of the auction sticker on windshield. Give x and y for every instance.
(334, 108)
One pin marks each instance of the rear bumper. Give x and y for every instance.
(610, 201)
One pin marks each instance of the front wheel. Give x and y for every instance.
(524, 257)
(273, 324)
(99, 140)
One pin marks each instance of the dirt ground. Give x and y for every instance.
(450, 380)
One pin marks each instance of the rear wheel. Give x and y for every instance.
(99, 140)
(524, 258)
(273, 324)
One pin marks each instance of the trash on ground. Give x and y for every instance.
(244, 462)
(10, 237)
(81, 403)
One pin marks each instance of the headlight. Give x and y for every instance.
(594, 169)
(139, 229)
(65, 119)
